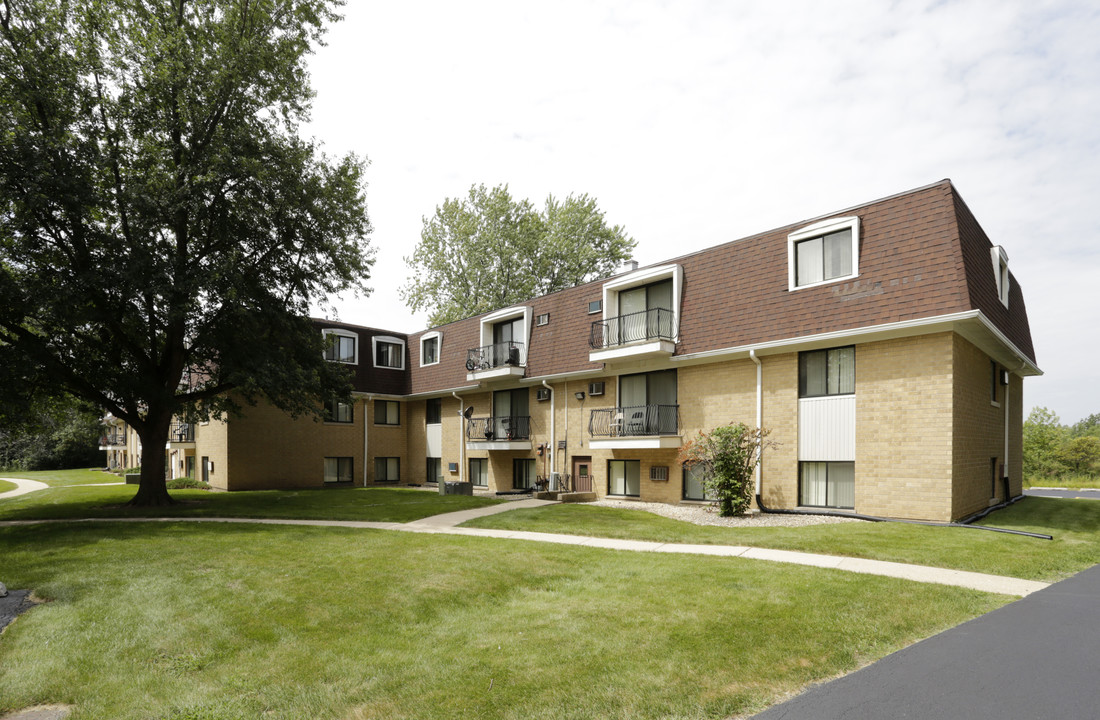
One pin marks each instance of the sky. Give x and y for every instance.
(697, 123)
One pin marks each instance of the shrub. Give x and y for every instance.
(727, 456)
(187, 483)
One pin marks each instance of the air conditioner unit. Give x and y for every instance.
(595, 388)
(555, 480)
(542, 394)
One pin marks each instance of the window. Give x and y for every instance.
(595, 306)
(389, 353)
(693, 484)
(827, 372)
(645, 313)
(338, 412)
(648, 404)
(823, 252)
(435, 470)
(479, 471)
(338, 469)
(511, 414)
(523, 473)
(387, 469)
(434, 411)
(429, 349)
(543, 319)
(624, 477)
(827, 484)
(387, 412)
(339, 346)
(1000, 273)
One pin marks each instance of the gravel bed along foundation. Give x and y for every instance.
(708, 515)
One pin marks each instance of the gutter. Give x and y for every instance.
(759, 419)
(553, 445)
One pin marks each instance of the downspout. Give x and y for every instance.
(553, 444)
(366, 429)
(461, 441)
(759, 419)
(1008, 394)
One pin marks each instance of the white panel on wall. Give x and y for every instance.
(435, 440)
(827, 428)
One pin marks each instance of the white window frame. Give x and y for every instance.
(520, 311)
(386, 339)
(348, 334)
(438, 337)
(1000, 272)
(638, 278)
(820, 229)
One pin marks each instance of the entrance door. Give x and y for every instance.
(205, 469)
(582, 474)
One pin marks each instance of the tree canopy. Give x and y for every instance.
(489, 250)
(163, 227)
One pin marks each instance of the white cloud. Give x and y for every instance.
(696, 123)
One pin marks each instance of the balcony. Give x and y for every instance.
(112, 441)
(181, 435)
(636, 426)
(647, 333)
(500, 360)
(510, 432)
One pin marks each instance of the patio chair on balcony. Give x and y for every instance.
(617, 425)
(636, 426)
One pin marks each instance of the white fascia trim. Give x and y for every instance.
(575, 375)
(344, 333)
(927, 324)
(612, 288)
(436, 335)
(823, 227)
(434, 393)
(387, 339)
(1010, 345)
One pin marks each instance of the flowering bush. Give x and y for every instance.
(727, 457)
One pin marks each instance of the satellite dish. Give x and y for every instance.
(468, 412)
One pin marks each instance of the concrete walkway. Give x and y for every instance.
(1035, 658)
(445, 524)
(24, 487)
(1064, 493)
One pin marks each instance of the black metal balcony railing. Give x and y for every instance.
(181, 433)
(655, 324)
(634, 421)
(507, 427)
(113, 439)
(494, 356)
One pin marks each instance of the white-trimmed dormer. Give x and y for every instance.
(503, 351)
(1000, 272)
(341, 345)
(388, 352)
(430, 345)
(824, 252)
(641, 315)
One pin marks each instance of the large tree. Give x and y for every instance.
(488, 250)
(163, 227)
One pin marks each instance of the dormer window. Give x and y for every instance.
(824, 252)
(389, 352)
(429, 348)
(1000, 271)
(341, 346)
(641, 315)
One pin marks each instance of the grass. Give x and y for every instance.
(180, 620)
(6, 486)
(1070, 482)
(60, 478)
(1075, 525)
(70, 497)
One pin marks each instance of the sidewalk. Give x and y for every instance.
(1035, 658)
(446, 523)
(23, 487)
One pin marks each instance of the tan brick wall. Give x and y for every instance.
(779, 471)
(980, 432)
(212, 442)
(903, 427)
(269, 449)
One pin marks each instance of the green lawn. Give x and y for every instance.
(1075, 525)
(369, 504)
(176, 621)
(6, 486)
(59, 478)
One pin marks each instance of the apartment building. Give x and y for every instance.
(884, 346)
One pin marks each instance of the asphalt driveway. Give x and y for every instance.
(1038, 657)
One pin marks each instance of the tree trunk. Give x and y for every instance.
(152, 490)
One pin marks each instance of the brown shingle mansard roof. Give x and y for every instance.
(922, 255)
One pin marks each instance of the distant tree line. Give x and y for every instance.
(1053, 450)
(54, 436)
